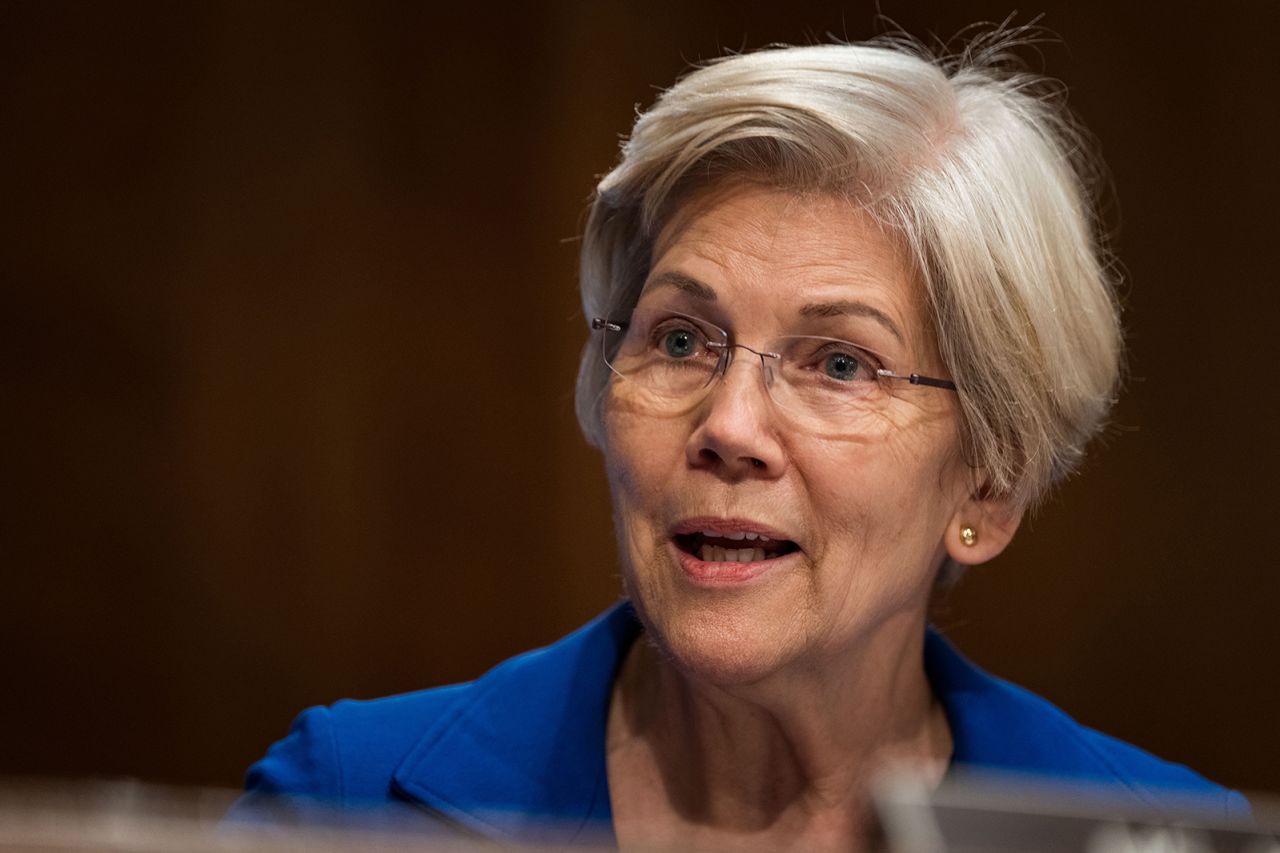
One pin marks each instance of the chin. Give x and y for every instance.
(716, 642)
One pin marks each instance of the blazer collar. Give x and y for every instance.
(521, 756)
(480, 767)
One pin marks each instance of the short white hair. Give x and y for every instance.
(974, 165)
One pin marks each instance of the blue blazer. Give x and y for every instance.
(518, 754)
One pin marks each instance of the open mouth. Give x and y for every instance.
(739, 547)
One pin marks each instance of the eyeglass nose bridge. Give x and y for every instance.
(726, 358)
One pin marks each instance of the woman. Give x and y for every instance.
(850, 321)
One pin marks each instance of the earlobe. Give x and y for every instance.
(982, 528)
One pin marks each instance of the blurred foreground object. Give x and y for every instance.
(134, 816)
(993, 813)
(968, 812)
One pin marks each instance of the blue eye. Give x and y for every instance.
(843, 366)
(680, 343)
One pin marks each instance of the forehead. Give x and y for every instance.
(768, 251)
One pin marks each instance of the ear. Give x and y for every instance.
(992, 520)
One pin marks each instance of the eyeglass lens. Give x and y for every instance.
(675, 357)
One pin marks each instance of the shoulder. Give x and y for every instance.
(345, 753)
(361, 752)
(1002, 727)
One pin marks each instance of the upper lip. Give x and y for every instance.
(720, 525)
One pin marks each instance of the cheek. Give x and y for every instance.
(641, 452)
(884, 502)
(627, 446)
(640, 445)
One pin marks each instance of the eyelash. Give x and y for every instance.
(862, 355)
(666, 327)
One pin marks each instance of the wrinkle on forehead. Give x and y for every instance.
(759, 237)
(780, 206)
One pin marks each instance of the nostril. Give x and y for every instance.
(757, 463)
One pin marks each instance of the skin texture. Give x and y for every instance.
(755, 713)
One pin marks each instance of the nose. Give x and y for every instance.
(737, 434)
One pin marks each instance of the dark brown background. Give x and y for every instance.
(289, 329)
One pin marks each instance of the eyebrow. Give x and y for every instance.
(684, 283)
(838, 308)
(851, 308)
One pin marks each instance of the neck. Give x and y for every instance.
(790, 753)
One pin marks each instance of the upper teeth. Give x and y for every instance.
(736, 534)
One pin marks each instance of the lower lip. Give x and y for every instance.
(727, 573)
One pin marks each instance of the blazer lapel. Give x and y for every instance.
(521, 758)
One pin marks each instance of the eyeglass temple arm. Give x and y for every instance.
(601, 323)
(917, 379)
